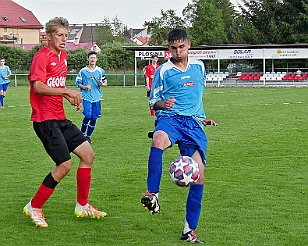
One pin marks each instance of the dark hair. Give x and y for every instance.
(92, 52)
(154, 55)
(177, 34)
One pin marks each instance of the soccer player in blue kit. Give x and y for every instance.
(176, 97)
(89, 80)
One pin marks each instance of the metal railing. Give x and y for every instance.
(129, 81)
(113, 79)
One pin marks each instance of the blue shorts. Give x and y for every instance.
(3, 87)
(91, 110)
(186, 132)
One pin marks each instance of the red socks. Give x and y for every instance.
(152, 112)
(41, 196)
(83, 185)
(83, 188)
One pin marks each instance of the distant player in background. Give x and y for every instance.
(89, 80)
(5, 73)
(176, 97)
(59, 135)
(149, 75)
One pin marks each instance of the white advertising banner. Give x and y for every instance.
(227, 54)
(165, 54)
(146, 55)
(204, 54)
(285, 53)
(240, 54)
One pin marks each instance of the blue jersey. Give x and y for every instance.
(86, 77)
(186, 87)
(5, 71)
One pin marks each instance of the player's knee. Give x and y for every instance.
(201, 177)
(161, 140)
(65, 167)
(88, 158)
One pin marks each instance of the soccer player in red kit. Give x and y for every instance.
(149, 75)
(58, 135)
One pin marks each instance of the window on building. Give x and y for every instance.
(22, 19)
(5, 18)
(5, 29)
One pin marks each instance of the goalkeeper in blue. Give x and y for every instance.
(176, 97)
(89, 80)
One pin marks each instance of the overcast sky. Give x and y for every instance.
(132, 13)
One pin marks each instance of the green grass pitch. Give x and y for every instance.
(256, 176)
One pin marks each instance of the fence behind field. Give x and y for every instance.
(113, 79)
(216, 80)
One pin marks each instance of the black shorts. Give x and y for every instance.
(59, 137)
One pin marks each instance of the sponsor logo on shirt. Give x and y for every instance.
(189, 83)
(56, 82)
(53, 64)
(185, 77)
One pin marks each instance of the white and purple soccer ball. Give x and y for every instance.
(184, 171)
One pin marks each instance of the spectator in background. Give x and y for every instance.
(298, 72)
(5, 73)
(89, 80)
(149, 75)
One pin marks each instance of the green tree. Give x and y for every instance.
(272, 21)
(77, 59)
(207, 23)
(228, 15)
(115, 57)
(260, 19)
(160, 26)
(296, 20)
(109, 31)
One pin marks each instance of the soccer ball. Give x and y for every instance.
(184, 171)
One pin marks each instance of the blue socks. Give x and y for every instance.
(91, 127)
(193, 205)
(88, 127)
(194, 198)
(84, 125)
(155, 166)
(1, 100)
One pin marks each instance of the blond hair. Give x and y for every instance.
(55, 23)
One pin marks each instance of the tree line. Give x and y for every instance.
(212, 22)
(207, 22)
(113, 57)
(219, 22)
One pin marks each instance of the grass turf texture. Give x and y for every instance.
(256, 177)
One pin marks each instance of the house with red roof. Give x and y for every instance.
(140, 36)
(18, 25)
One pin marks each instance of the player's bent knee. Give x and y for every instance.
(161, 141)
(85, 152)
(64, 168)
(88, 157)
